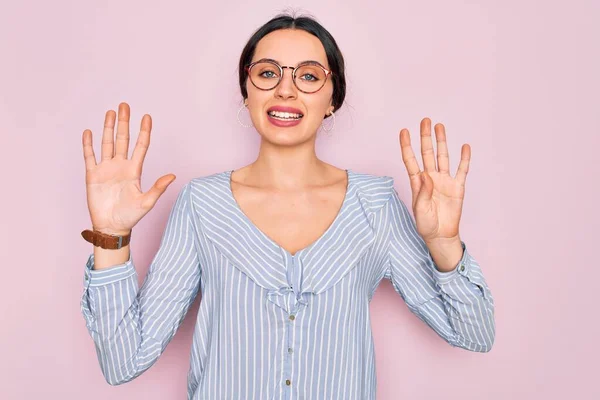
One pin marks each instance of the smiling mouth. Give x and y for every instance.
(284, 116)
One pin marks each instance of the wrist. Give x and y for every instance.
(446, 253)
(113, 232)
(107, 238)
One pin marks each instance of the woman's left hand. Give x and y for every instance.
(437, 199)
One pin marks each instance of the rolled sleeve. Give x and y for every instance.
(466, 274)
(106, 276)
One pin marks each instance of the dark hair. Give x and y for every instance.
(310, 25)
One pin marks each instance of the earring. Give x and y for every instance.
(332, 124)
(238, 117)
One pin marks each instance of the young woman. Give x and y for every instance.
(286, 251)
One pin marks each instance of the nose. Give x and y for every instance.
(286, 88)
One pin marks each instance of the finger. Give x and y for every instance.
(443, 159)
(410, 161)
(88, 150)
(143, 142)
(408, 156)
(122, 142)
(463, 167)
(427, 146)
(107, 149)
(151, 196)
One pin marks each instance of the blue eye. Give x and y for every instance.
(314, 78)
(268, 72)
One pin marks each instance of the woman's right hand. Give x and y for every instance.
(114, 195)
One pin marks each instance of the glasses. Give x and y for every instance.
(308, 76)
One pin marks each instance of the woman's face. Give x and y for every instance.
(289, 47)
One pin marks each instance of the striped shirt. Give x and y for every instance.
(272, 325)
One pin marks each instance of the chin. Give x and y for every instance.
(285, 136)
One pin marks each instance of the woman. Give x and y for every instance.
(287, 251)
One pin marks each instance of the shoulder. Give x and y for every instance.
(204, 180)
(204, 190)
(373, 191)
(208, 184)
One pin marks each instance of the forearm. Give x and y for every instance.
(112, 311)
(462, 317)
(467, 302)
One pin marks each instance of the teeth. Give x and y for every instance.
(285, 115)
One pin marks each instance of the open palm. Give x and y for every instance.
(437, 197)
(114, 195)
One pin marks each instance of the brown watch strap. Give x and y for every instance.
(106, 241)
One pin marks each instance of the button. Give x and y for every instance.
(288, 382)
(292, 317)
(462, 267)
(290, 350)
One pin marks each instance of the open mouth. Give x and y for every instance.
(285, 116)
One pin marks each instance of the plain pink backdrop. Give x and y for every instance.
(517, 80)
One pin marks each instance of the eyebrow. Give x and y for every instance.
(270, 59)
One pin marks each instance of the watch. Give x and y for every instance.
(106, 241)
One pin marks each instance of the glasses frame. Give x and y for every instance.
(281, 67)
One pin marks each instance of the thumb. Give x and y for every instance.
(152, 195)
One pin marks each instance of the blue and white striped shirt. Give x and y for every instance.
(273, 325)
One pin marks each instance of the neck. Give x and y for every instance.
(286, 167)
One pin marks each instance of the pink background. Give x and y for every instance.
(517, 80)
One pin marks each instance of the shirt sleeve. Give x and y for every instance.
(458, 304)
(132, 328)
